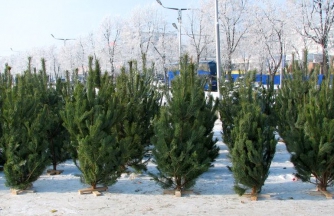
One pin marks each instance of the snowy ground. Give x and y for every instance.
(139, 195)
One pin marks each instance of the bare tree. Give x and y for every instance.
(141, 30)
(318, 19)
(232, 17)
(82, 55)
(268, 31)
(110, 30)
(163, 46)
(199, 33)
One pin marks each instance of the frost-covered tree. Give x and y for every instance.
(200, 34)
(110, 32)
(141, 30)
(269, 32)
(318, 20)
(233, 21)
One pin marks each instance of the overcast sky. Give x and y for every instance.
(27, 24)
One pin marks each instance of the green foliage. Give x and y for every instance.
(229, 107)
(248, 124)
(24, 138)
(6, 80)
(254, 148)
(90, 117)
(140, 103)
(306, 124)
(56, 134)
(183, 142)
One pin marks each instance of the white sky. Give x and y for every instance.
(27, 24)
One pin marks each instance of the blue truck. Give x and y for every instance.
(206, 70)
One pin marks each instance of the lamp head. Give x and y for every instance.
(174, 25)
(159, 2)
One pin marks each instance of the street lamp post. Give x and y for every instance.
(218, 50)
(180, 23)
(63, 39)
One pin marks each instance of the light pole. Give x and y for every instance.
(63, 39)
(180, 23)
(218, 50)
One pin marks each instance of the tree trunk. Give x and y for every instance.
(254, 191)
(324, 69)
(178, 184)
(229, 66)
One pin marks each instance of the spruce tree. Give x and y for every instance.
(140, 103)
(305, 122)
(228, 110)
(90, 117)
(56, 134)
(183, 141)
(317, 119)
(5, 82)
(250, 129)
(23, 131)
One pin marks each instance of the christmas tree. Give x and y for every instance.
(5, 82)
(228, 110)
(23, 129)
(251, 140)
(140, 103)
(90, 117)
(56, 134)
(183, 142)
(305, 122)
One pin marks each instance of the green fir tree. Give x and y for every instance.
(183, 142)
(24, 139)
(90, 117)
(251, 138)
(6, 80)
(140, 103)
(305, 122)
(228, 110)
(56, 134)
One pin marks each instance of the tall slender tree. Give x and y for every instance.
(140, 103)
(318, 20)
(305, 122)
(56, 134)
(24, 138)
(183, 142)
(90, 117)
(249, 134)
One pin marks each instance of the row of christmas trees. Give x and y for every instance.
(301, 111)
(108, 124)
(105, 125)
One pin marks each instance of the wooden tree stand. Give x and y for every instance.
(254, 197)
(54, 172)
(96, 191)
(18, 191)
(326, 193)
(178, 193)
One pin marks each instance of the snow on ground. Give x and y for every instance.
(137, 194)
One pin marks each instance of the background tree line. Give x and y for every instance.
(255, 34)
